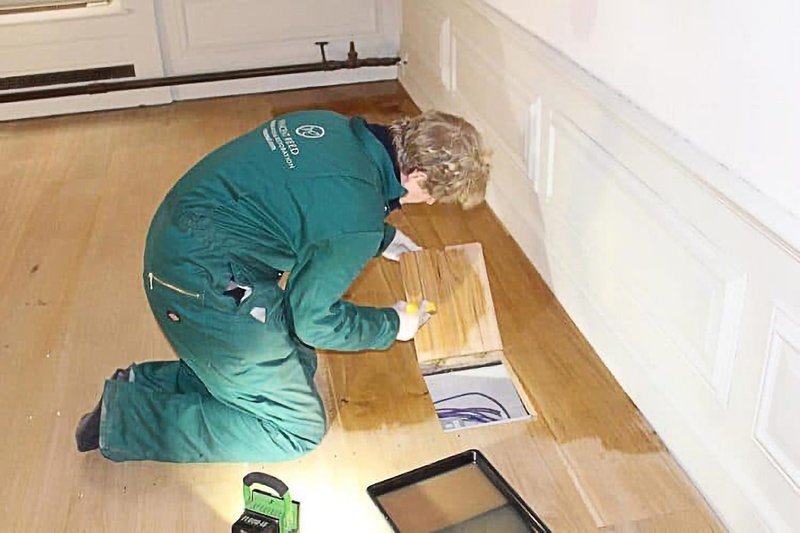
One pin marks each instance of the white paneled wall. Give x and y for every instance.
(690, 301)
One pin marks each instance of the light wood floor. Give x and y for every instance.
(77, 194)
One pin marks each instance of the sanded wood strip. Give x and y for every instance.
(455, 280)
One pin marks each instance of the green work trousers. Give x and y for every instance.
(241, 391)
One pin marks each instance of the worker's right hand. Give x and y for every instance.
(412, 317)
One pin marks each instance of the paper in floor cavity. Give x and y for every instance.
(475, 397)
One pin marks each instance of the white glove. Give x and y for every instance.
(399, 245)
(411, 319)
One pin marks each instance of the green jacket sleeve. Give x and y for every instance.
(389, 232)
(321, 318)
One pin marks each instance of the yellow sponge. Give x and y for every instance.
(430, 307)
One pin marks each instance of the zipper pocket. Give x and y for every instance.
(152, 277)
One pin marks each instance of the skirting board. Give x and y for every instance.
(283, 83)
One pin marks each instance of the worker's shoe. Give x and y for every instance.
(87, 434)
(122, 374)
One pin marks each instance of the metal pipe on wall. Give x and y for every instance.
(352, 62)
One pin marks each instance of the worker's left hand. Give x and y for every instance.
(400, 245)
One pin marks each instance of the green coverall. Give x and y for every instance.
(305, 193)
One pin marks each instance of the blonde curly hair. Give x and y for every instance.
(449, 150)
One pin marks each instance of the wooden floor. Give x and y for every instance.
(77, 194)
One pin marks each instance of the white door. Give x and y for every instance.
(42, 39)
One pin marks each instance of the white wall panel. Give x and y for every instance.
(216, 35)
(777, 425)
(212, 24)
(510, 120)
(638, 245)
(425, 47)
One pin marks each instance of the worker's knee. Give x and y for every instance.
(314, 431)
(310, 421)
(297, 440)
(309, 444)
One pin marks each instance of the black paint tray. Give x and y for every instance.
(463, 493)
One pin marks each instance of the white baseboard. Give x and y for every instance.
(283, 83)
